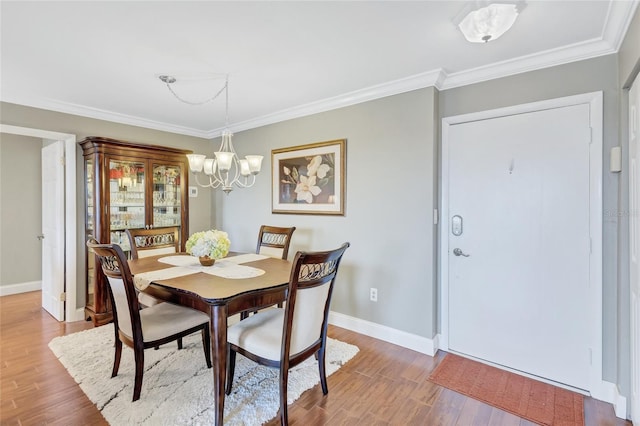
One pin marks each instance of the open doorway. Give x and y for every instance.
(69, 241)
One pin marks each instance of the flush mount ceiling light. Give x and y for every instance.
(484, 21)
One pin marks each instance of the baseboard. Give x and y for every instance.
(388, 334)
(6, 290)
(78, 315)
(609, 392)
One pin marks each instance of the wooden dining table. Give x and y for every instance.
(219, 298)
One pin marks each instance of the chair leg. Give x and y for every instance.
(137, 386)
(179, 343)
(323, 373)
(116, 358)
(206, 344)
(284, 378)
(231, 368)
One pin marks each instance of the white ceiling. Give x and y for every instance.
(284, 59)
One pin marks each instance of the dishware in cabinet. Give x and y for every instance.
(129, 186)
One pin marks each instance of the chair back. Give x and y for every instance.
(309, 296)
(274, 241)
(124, 299)
(151, 242)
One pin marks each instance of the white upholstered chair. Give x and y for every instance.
(284, 337)
(151, 242)
(145, 328)
(274, 241)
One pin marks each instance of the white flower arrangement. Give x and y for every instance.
(212, 243)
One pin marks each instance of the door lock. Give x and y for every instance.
(458, 252)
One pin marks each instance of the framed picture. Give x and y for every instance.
(309, 179)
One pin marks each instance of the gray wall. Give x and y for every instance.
(20, 222)
(394, 213)
(391, 188)
(200, 212)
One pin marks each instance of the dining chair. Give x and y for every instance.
(154, 241)
(273, 241)
(284, 337)
(150, 327)
(151, 242)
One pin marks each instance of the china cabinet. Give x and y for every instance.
(129, 186)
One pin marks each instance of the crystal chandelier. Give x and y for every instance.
(226, 169)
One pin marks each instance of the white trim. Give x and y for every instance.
(387, 334)
(6, 290)
(618, 19)
(595, 101)
(609, 392)
(70, 210)
(395, 87)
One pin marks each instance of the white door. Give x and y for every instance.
(53, 261)
(634, 243)
(519, 214)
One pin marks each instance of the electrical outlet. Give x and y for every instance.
(373, 294)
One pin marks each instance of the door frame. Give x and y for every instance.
(633, 123)
(70, 200)
(595, 102)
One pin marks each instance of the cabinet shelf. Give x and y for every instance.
(129, 185)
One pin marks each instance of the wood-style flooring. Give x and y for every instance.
(383, 385)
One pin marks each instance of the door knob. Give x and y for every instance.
(40, 237)
(459, 252)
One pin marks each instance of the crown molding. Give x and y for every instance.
(100, 114)
(407, 84)
(619, 17)
(573, 53)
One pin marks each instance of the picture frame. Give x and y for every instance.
(309, 179)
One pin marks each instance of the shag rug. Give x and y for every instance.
(530, 399)
(177, 386)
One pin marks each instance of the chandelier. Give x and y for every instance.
(226, 170)
(483, 21)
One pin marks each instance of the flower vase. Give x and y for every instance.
(206, 260)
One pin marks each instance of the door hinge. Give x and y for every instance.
(435, 216)
(63, 297)
(62, 162)
(590, 135)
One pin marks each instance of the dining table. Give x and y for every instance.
(240, 282)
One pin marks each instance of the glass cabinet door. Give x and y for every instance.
(89, 222)
(166, 195)
(126, 199)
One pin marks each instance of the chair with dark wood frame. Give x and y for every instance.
(273, 241)
(145, 328)
(150, 242)
(285, 337)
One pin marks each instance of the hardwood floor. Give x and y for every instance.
(383, 385)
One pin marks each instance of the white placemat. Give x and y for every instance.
(143, 280)
(193, 261)
(229, 267)
(226, 269)
(180, 260)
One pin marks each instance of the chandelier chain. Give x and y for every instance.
(203, 102)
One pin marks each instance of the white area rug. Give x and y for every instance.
(177, 386)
